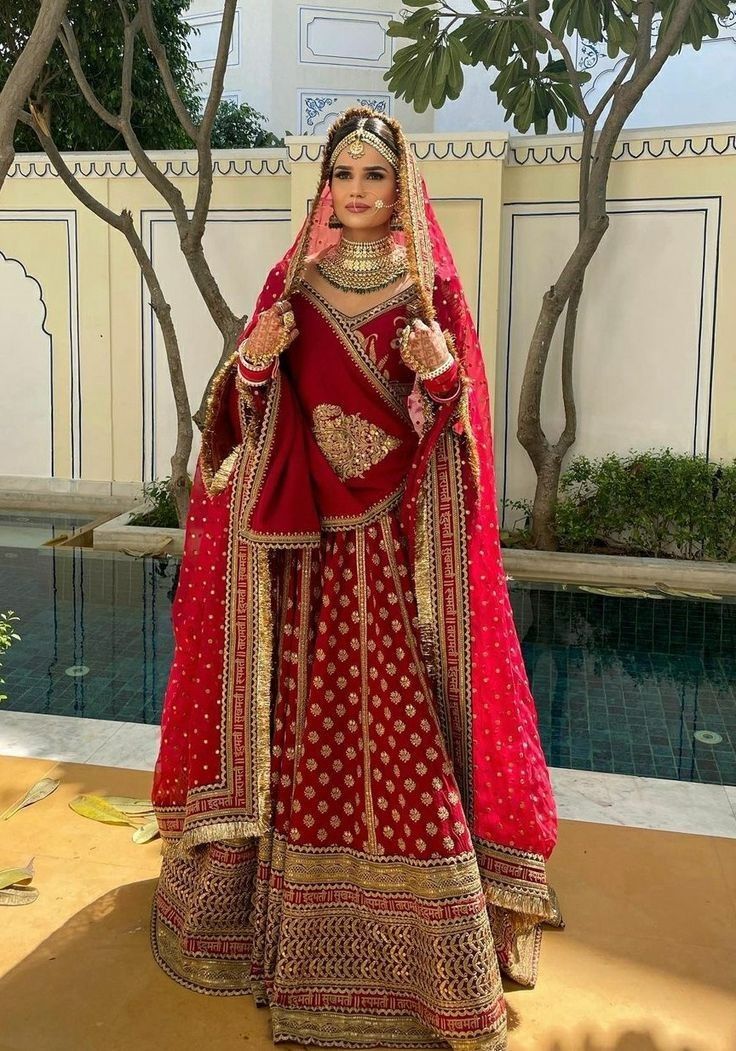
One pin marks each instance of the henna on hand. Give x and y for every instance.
(424, 347)
(272, 333)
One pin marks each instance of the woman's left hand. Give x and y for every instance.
(425, 348)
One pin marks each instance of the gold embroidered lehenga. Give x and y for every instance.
(354, 803)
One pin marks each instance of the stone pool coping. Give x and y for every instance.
(117, 535)
(620, 571)
(544, 566)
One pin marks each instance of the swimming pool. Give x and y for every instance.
(622, 685)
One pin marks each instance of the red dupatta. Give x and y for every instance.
(256, 489)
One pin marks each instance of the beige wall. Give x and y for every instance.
(83, 371)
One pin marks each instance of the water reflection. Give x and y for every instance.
(79, 607)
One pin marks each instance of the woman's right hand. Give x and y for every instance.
(273, 332)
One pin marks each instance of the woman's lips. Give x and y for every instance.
(357, 207)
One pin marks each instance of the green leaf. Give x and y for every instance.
(455, 77)
(560, 17)
(559, 111)
(524, 113)
(457, 44)
(440, 68)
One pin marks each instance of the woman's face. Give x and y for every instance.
(356, 184)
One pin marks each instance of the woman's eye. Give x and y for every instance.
(376, 175)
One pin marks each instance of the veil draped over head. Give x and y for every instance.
(467, 630)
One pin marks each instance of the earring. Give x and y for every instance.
(333, 222)
(395, 223)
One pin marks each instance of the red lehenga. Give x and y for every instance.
(355, 807)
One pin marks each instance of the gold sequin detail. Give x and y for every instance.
(351, 444)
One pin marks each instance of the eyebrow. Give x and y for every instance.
(370, 168)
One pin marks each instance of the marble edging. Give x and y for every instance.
(582, 795)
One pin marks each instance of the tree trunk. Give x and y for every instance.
(179, 484)
(624, 95)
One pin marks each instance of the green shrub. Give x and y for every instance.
(161, 510)
(652, 503)
(8, 635)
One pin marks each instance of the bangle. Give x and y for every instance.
(438, 370)
(445, 397)
(252, 366)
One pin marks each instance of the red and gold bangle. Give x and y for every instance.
(445, 397)
(252, 373)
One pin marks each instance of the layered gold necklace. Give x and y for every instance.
(363, 266)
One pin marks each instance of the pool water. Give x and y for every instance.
(621, 684)
(95, 631)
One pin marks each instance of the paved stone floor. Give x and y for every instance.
(647, 961)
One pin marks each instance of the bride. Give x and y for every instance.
(354, 804)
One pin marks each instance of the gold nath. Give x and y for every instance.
(363, 266)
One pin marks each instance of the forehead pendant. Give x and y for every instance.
(357, 146)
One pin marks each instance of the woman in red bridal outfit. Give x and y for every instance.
(355, 807)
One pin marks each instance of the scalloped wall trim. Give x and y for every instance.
(716, 140)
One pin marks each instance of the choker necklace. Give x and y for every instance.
(363, 266)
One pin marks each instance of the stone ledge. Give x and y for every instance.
(117, 535)
(620, 570)
(19, 493)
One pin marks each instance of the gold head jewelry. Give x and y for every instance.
(410, 210)
(355, 141)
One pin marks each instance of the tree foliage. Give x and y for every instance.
(519, 40)
(525, 43)
(239, 127)
(98, 28)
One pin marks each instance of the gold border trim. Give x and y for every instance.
(355, 349)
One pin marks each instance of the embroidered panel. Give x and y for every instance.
(351, 444)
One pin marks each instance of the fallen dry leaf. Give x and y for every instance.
(39, 791)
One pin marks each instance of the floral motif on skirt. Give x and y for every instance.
(360, 918)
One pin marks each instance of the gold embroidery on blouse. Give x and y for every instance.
(351, 444)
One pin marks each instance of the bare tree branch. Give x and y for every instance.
(130, 32)
(595, 114)
(159, 53)
(23, 75)
(665, 45)
(644, 35)
(123, 222)
(204, 146)
(71, 48)
(218, 72)
(190, 230)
